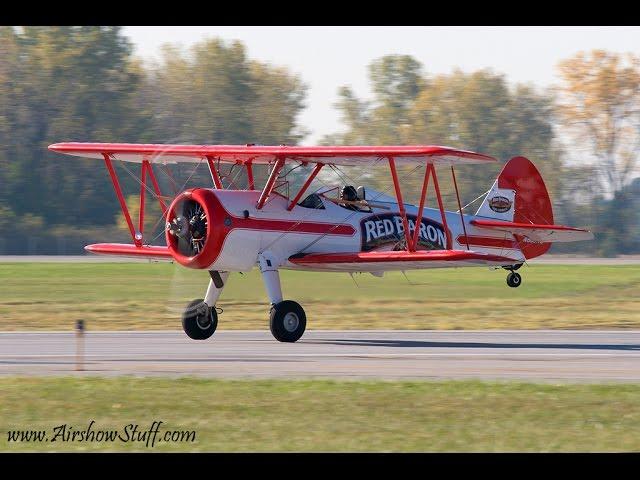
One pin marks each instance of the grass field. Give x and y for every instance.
(109, 296)
(325, 415)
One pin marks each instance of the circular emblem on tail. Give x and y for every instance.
(500, 204)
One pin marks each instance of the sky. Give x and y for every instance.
(329, 57)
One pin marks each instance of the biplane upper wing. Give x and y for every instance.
(396, 260)
(539, 233)
(260, 154)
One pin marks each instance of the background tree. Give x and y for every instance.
(598, 102)
(214, 94)
(480, 112)
(63, 83)
(396, 80)
(9, 57)
(278, 99)
(598, 107)
(476, 111)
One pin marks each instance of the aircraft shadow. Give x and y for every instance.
(431, 344)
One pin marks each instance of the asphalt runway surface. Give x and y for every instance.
(566, 356)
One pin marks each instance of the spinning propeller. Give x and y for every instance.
(189, 226)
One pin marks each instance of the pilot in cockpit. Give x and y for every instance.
(353, 199)
(348, 194)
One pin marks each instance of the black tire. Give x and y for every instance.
(199, 321)
(287, 321)
(514, 280)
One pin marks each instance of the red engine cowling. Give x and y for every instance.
(195, 228)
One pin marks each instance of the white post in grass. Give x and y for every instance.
(79, 345)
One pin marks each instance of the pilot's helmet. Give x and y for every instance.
(349, 193)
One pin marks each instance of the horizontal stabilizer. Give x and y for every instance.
(537, 233)
(152, 252)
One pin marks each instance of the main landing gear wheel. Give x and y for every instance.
(514, 279)
(287, 321)
(199, 320)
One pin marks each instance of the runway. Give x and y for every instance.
(576, 356)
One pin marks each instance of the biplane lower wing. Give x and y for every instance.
(396, 260)
(538, 233)
(151, 252)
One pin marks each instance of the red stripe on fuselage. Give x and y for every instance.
(292, 226)
(488, 242)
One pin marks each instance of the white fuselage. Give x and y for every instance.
(335, 229)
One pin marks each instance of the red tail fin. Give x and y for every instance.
(532, 202)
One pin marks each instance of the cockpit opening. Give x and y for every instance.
(349, 198)
(312, 201)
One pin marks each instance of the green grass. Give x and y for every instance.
(49, 296)
(326, 415)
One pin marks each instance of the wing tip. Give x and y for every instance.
(55, 147)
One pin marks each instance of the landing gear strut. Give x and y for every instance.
(287, 319)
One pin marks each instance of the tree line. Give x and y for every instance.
(84, 84)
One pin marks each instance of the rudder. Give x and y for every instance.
(520, 195)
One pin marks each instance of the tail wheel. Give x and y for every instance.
(287, 321)
(514, 280)
(199, 321)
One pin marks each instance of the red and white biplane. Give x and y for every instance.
(358, 230)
